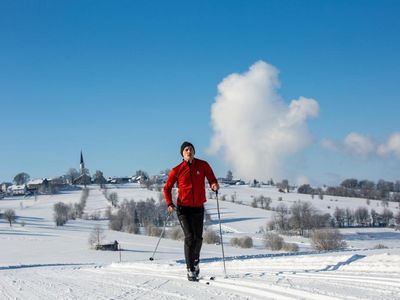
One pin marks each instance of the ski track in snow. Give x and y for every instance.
(167, 281)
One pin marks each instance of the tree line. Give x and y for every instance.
(302, 218)
(381, 190)
(130, 215)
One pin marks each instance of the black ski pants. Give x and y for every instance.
(191, 220)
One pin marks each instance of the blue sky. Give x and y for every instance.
(128, 81)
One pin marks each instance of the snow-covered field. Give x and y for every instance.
(42, 261)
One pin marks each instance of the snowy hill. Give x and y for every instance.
(42, 261)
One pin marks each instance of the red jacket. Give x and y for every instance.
(191, 184)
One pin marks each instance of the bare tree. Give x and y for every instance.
(339, 215)
(305, 189)
(78, 208)
(265, 202)
(386, 215)
(96, 236)
(361, 216)
(61, 213)
(117, 220)
(327, 239)
(234, 241)
(291, 247)
(374, 217)
(281, 216)
(131, 215)
(349, 217)
(284, 185)
(320, 221)
(146, 211)
(273, 241)
(210, 236)
(113, 199)
(301, 216)
(153, 230)
(367, 188)
(246, 242)
(243, 242)
(71, 175)
(125, 219)
(229, 175)
(143, 177)
(21, 178)
(384, 188)
(9, 215)
(98, 178)
(349, 183)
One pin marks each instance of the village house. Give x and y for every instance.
(119, 180)
(35, 185)
(15, 190)
(4, 186)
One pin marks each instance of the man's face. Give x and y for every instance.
(188, 153)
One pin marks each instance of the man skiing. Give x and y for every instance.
(190, 177)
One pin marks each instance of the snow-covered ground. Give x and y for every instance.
(42, 261)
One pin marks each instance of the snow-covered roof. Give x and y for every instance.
(15, 187)
(35, 181)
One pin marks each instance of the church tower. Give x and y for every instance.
(84, 178)
(82, 165)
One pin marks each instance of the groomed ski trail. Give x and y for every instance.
(167, 280)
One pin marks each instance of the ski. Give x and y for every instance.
(205, 280)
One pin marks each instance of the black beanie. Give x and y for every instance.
(185, 144)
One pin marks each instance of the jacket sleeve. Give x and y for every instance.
(168, 187)
(210, 174)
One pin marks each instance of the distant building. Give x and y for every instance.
(139, 178)
(4, 186)
(15, 190)
(230, 181)
(35, 185)
(83, 179)
(44, 185)
(119, 180)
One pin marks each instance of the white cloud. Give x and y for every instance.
(329, 144)
(354, 143)
(392, 146)
(254, 127)
(358, 144)
(361, 145)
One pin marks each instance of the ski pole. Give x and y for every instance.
(162, 233)
(220, 234)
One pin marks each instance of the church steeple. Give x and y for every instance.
(82, 165)
(84, 177)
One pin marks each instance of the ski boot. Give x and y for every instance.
(197, 268)
(191, 275)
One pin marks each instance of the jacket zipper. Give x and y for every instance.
(191, 180)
